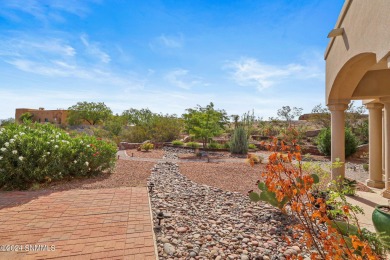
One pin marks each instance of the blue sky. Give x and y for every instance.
(164, 55)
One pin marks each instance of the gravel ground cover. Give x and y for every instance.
(229, 176)
(210, 223)
(126, 174)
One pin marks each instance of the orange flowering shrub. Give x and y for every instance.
(290, 188)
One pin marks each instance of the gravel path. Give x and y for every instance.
(209, 223)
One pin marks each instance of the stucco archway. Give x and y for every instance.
(357, 68)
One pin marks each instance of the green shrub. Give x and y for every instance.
(351, 142)
(365, 167)
(147, 146)
(192, 145)
(177, 143)
(147, 125)
(226, 145)
(239, 142)
(40, 153)
(324, 142)
(134, 134)
(252, 146)
(213, 145)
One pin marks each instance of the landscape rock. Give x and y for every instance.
(169, 249)
(209, 223)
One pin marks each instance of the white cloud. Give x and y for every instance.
(58, 68)
(171, 41)
(251, 72)
(22, 46)
(44, 10)
(53, 57)
(182, 79)
(167, 44)
(94, 50)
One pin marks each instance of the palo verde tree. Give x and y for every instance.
(138, 116)
(205, 122)
(91, 112)
(320, 116)
(288, 113)
(8, 121)
(146, 125)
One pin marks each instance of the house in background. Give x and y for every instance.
(41, 115)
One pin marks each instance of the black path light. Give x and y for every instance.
(160, 216)
(151, 186)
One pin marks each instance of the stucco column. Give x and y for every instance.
(375, 145)
(383, 141)
(386, 102)
(338, 138)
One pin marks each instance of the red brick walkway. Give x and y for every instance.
(78, 224)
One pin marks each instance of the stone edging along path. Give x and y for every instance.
(209, 223)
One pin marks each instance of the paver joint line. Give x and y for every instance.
(98, 230)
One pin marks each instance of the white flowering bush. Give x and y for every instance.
(37, 153)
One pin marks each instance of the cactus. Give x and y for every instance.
(239, 142)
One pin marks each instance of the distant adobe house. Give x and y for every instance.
(41, 115)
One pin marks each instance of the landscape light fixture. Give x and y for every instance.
(160, 216)
(336, 32)
(151, 186)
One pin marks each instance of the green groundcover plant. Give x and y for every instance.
(35, 153)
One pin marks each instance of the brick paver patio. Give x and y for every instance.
(79, 224)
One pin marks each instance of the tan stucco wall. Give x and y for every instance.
(41, 115)
(364, 46)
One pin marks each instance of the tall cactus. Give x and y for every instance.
(239, 141)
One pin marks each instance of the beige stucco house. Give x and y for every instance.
(358, 68)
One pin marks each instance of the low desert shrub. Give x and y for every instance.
(177, 143)
(213, 145)
(147, 146)
(252, 146)
(193, 145)
(324, 142)
(239, 141)
(226, 145)
(36, 153)
(254, 159)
